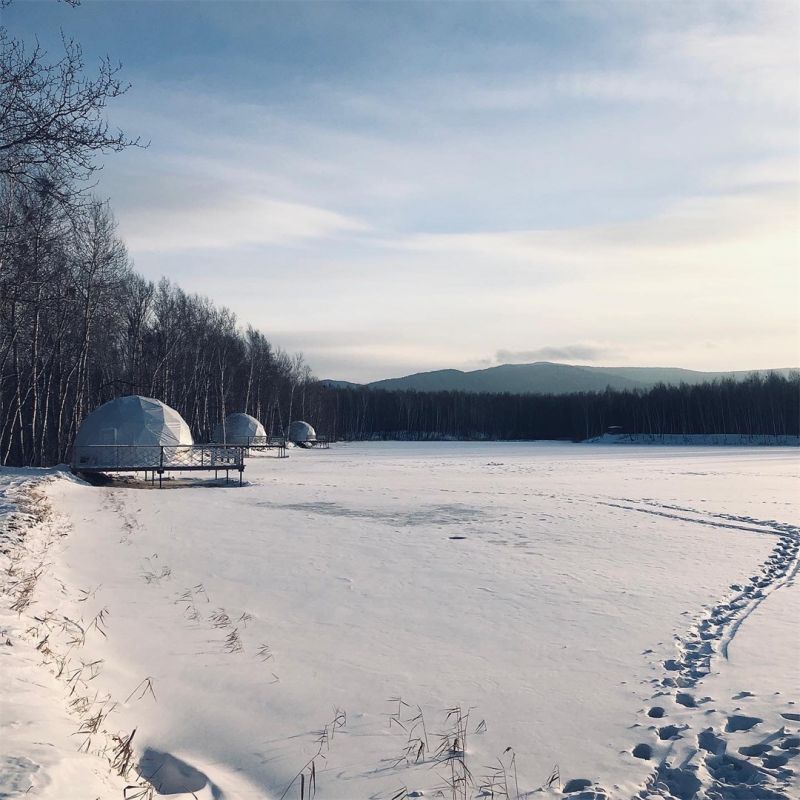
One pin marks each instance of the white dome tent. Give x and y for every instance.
(135, 424)
(301, 433)
(239, 429)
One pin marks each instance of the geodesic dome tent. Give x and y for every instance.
(238, 429)
(300, 432)
(128, 431)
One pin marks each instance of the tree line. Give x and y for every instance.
(78, 325)
(758, 405)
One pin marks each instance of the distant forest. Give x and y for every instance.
(758, 405)
(79, 326)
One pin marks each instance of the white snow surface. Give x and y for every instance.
(699, 439)
(557, 592)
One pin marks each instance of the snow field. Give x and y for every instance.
(554, 593)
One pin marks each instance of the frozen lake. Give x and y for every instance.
(557, 593)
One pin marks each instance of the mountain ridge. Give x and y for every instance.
(546, 377)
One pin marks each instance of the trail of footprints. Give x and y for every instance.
(739, 760)
(764, 770)
(712, 633)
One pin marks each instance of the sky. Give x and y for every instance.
(397, 187)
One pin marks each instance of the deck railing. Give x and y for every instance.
(158, 459)
(268, 443)
(319, 440)
(260, 443)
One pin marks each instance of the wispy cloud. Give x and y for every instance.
(539, 181)
(570, 353)
(704, 230)
(230, 221)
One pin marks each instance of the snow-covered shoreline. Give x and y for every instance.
(698, 439)
(244, 633)
(44, 699)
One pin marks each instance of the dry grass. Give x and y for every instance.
(412, 721)
(501, 780)
(264, 652)
(22, 590)
(59, 640)
(452, 752)
(138, 791)
(306, 778)
(122, 753)
(554, 778)
(153, 575)
(143, 688)
(233, 642)
(190, 610)
(459, 779)
(220, 619)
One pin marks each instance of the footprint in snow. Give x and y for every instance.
(168, 774)
(790, 742)
(755, 749)
(643, 751)
(668, 732)
(775, 760)
(576, 785)
(709, 741)
(741, 722)
(17, 773)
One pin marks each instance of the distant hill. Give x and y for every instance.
(544, 377)
(339, 384)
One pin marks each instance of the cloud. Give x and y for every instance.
(570, 353)
(625, 174)
(704, 233)
(227, 221)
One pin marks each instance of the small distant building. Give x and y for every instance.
(615, 429)
(239, 429)
(128, 421)
(301, 433)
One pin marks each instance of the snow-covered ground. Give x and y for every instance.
(699, 439)
(623, 618)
